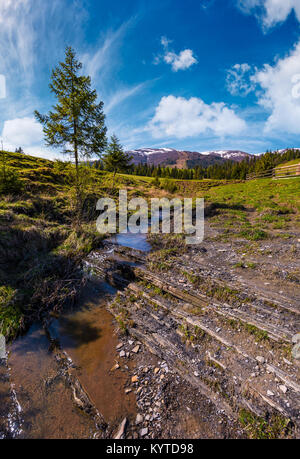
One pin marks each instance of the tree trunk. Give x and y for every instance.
(114, 176)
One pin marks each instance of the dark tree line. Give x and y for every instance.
(229, 170)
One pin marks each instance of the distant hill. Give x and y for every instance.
(184, 159)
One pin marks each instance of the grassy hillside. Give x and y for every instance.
(41, 248)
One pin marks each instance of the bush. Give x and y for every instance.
(169, 186)
(156, 182)
(9, 181)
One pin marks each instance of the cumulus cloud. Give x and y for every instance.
(181, 118)
(280, 93)
(270, 12)
(22, 132)
(181, 61)
(239, 80)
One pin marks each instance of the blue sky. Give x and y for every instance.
(195, 75)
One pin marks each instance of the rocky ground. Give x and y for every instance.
(206, 341)
(222, 318)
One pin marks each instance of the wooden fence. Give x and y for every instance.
(277, 173)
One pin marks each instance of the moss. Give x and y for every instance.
(262, 429)
(10, 313)
(259, 334)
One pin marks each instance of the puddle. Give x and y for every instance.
(133, 241)
(47, 410)
(87, 335)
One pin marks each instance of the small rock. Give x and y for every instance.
(296, 351)
(122, 354)
(136, 349)
(196, 374)
(119, 346)
(270, 393)
(127, 391)
(130, 342)
(134, 379)
(144, 432)
(260, 359)
(115, 367)
(121, 431)
(145, 370)
(156, 370)
(283, 389)
(296, 338)
(139, 419)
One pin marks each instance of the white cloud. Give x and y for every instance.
(165, 42)
(22, 132)
(181, 118)
(270, 12)
(281, 92)
(239, 80)
(182, 61)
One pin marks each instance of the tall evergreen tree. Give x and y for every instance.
(77, 121)
(115, 159)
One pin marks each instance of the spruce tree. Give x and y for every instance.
(115, 159)
(77, 121)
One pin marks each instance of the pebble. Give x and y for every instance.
(139, 419)
(134, 379)
(136, 349)
(270, 393)
(296, 338)
(130, 342)
(260, 359)
(144, 432)
(122, 354)
(156, 370)
(115, 367)
(119, 346)
(283, 389)
(196, 374)
(127, 391)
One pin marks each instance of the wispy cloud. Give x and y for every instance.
(239, 80)
(29, 33)
(101, 60)
(121, 95)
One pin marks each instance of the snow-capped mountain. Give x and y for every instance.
(182, 159)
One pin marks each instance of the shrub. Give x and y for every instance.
(9, 181)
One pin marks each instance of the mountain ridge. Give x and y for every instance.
(170, 157)
(184, 158)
